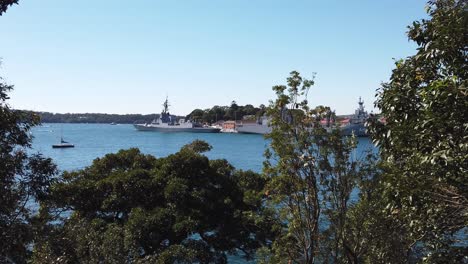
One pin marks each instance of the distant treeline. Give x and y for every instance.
(232, 112)
(210, 115)
(47, 117)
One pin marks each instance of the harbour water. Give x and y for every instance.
(95, 140)
(244, 151)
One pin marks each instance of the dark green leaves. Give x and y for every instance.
(423, 144)
(311, 176)
(5, 4)
(24, 178)
(183, 208)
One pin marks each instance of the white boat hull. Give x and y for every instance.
(172, 129)
(359, 130)
(254, 129)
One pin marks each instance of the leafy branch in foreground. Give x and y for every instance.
(130, 207)
(24, 179)
(5, 4)
(313, 174)
(424, 143)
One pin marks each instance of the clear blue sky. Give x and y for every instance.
(111, 56)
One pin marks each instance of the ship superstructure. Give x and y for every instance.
(169, 123)
(357, 122)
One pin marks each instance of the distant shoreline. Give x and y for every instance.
(94, 118)
(99, 118)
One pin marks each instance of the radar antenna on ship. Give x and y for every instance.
(361, 106)
(166, 106)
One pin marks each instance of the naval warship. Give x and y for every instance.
(357, 122)
(169, 123)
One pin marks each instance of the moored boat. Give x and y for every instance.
(63, 144)
(169, 123)
(357, 123)
(261, 126)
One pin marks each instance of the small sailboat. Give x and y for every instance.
(63, 144)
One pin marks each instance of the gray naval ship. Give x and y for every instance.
(357, 122)
(169, 123)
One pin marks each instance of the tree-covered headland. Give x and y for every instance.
(207, 116)
(225, 113)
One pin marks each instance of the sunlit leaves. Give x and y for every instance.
(24, 177)
(424, 140)
(311, 177)
(183, 207)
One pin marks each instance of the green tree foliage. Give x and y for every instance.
(24, 179)
(130, 207)
(312, 174)
(424, 143)
(4, 4)
(196, 115)
(204, 116)
(373, 235)
(47, 117)
(225, 113)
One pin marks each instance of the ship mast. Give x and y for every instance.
(166, 106)
(361, 105)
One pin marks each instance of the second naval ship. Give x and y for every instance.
(357, 122)
(261, 127)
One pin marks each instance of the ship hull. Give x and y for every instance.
(63, 146)
(359, 130)
(254, 129)
(177, 129)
